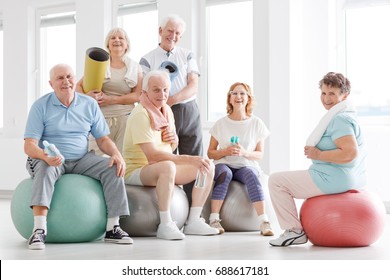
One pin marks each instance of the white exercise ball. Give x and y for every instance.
(144, 213)
(237, 212)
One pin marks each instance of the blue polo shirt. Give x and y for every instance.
(68, 128)
(336, 178)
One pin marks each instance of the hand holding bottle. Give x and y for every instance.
(235, 148)
(52, 150)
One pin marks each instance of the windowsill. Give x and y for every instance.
(375, 120)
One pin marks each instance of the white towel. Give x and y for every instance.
(319, 130)
(131, 76)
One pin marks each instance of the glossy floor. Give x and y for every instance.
(228, 246)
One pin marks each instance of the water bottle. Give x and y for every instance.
(234, 140)
(200, 181)
(52, 150)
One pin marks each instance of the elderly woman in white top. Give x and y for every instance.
(236, 145)
(121, 87)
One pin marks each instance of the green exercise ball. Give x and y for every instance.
(77, 213)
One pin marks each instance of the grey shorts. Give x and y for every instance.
(134, 178)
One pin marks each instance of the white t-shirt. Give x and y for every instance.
(249, 132)
(184, 60)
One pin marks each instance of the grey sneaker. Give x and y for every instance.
(118, 235)
(265, 229)
(37, 240)
(216, 224)
(290, 237)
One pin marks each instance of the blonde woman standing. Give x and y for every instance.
(121, 88)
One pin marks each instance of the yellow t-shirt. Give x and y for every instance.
(138, 131)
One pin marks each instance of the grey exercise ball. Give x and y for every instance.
(144, 214)
(237, 212)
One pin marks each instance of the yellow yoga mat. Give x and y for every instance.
(96, 62)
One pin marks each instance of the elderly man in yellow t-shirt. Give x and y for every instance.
(150, 139)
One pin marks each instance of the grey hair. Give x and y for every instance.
(60, 65)
(114, 31)
(173, 18)
(154, 73)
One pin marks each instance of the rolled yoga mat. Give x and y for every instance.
(96, 62)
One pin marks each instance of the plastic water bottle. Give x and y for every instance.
(200, 181)
(234, 140)
(52, 150)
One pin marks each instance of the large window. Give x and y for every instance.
(1, 76)
(367, 25)
(229, 51)
(368, 57)
(57, 44)
(140, 21)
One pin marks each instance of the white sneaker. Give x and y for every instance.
(290, 237)
(265, 229)
(200, 227)
(216, 224)
(169, 231)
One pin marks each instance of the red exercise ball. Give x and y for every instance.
(351, 219)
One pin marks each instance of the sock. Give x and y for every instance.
(194, 214)
(111, 222)
(165, 217)
(214, 216)
(263, 218)
(40, 223)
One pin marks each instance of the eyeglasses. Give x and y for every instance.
(238, 93)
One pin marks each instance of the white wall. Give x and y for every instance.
(93, 22)
(294, 46)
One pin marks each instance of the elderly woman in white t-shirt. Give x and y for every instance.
(237, 144)
(121, 87)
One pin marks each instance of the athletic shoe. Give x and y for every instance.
(118, 235)
(199, 227)
(37, 240)
(216, 224)
(265, 229)
(290, 237)
(169, 231)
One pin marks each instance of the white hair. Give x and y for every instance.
(154, 73)
(60, 65)
(114, 31)
(173, 18)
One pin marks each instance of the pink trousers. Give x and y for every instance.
(284, 187)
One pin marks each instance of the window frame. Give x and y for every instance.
(54, 21)
(342, 41)
(204, 58)
(125, 8)
(2, 76)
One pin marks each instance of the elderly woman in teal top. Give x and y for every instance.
(336, 148)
